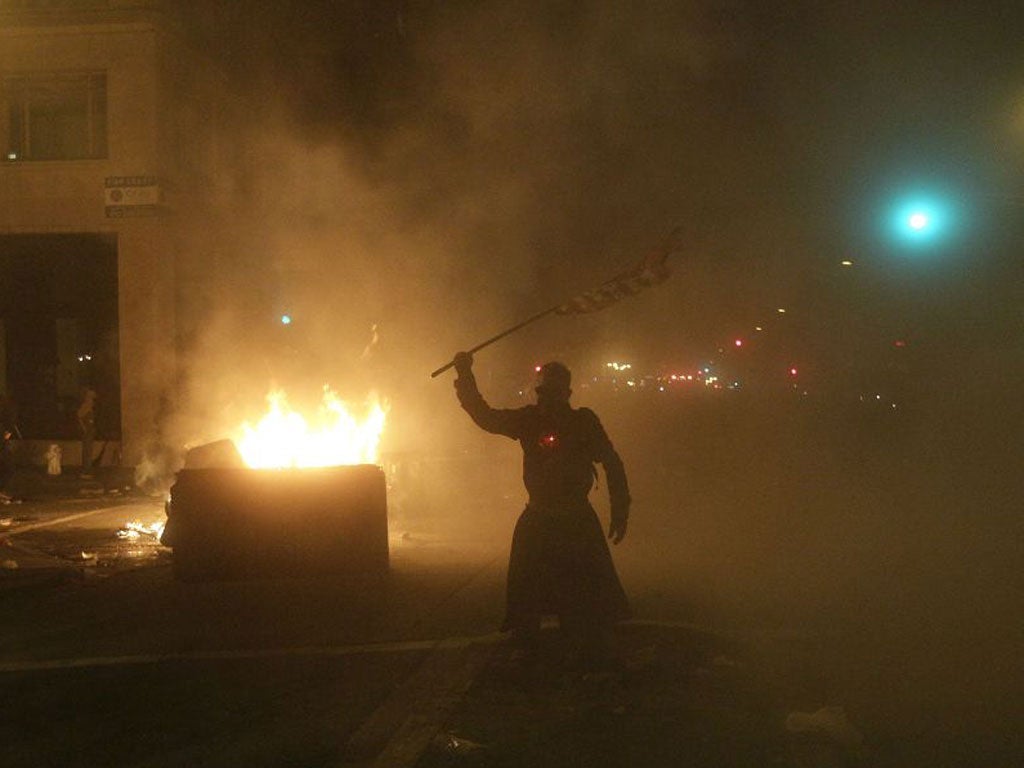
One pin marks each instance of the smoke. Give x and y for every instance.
(432, 175)
(416, 177)
(419, 176)
(427, 175)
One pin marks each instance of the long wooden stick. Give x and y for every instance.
(501, 335)
(652, 262)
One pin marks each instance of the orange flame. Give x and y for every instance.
(283, 438)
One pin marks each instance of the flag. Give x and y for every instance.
(651, 270)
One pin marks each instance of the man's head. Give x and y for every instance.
(553, 383)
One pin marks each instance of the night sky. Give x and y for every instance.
(528, 151)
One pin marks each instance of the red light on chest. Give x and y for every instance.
(548, 441)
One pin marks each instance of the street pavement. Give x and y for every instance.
(106, 659)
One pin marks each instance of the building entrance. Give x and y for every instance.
(59, 323)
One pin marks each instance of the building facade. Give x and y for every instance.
(109, 124)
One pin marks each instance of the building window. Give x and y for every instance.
(56, 116)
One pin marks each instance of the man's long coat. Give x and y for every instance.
(559, 562)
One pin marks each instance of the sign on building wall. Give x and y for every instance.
(132, 196)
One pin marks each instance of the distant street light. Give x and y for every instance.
(922, 221)
(918, 220)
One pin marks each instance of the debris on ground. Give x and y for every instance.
(136, 529)
(456, 750)
(650, 709)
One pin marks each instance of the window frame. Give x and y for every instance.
(79, 93)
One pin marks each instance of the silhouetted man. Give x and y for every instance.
(559, 563)
(8, 427)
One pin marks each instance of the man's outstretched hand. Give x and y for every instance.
(463, 363)
(617, 529)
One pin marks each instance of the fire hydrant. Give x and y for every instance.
(53, 456)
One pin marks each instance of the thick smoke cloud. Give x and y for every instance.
(441, 171)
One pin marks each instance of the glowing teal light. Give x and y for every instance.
(286, 319)
(921, 222)
(918, 220)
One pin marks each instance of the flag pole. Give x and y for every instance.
(649, 271)
(501, 335)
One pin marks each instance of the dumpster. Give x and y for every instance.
(227, 523)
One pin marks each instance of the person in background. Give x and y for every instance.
(8, 429)
(560, 563)
(87, 427)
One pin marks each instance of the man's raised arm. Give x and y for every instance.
(494, 420)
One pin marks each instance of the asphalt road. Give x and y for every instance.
(106, 659)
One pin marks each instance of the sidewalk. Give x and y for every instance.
(33, 484)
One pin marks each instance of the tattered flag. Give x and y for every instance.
(651, 270)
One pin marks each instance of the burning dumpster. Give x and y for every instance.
(286, 499)
(239, 523)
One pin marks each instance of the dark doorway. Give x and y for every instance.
(58, 308)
